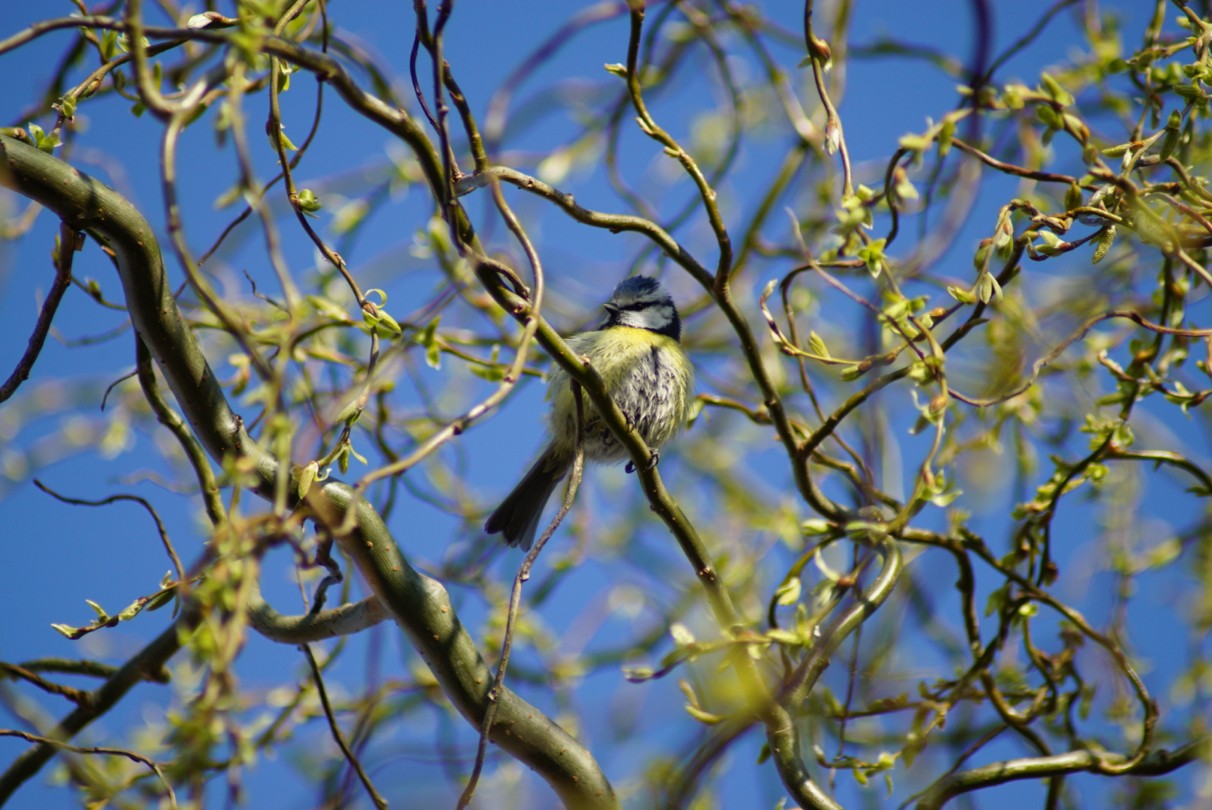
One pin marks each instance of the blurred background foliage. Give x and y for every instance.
(943, 272)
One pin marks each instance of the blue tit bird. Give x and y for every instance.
(637, 353)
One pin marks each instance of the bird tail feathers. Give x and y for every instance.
(517, 518)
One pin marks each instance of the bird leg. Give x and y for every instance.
(653, 460)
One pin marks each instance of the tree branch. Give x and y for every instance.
(418, 604)
(63, 280)
(999, 773)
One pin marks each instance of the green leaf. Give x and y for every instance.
(945, 498)
(287, 144)
(161, 599)
(1164, 553)
(817, 346)
(703, 716)
(1103, 245)
(961, 295)
(987, 288)
(109, 45)
(946, 132)
(915, 143)
(132, 610)
(1052, 244)
(349, 216)
(393, 326)
(308, 202)
(785, 637)
(1047, 116)
(996, 601)
(681, 634)
(789, 592)
(852, 372)
(1073, 196)
(45, 141)
(493, 373)
(639, 674)
(427, 337)
(307, 476)
(1054, 91)
(872, 255)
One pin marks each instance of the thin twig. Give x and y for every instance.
(515, 598)
(151, 510)
(97, 749)
(337, 736)
(68, 245)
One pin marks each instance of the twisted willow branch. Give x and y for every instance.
(999, 773)
(419, 605)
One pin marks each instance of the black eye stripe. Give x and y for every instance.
(636, 306)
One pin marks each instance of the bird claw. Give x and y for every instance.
(653, 460)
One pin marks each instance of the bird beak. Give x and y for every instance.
(611, 308)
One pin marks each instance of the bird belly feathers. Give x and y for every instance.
(648, 375)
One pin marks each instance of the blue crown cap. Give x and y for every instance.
(637, 286)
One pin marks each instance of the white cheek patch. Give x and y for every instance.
(655, 317)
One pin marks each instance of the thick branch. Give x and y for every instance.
(418, 604)
(342, 621)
